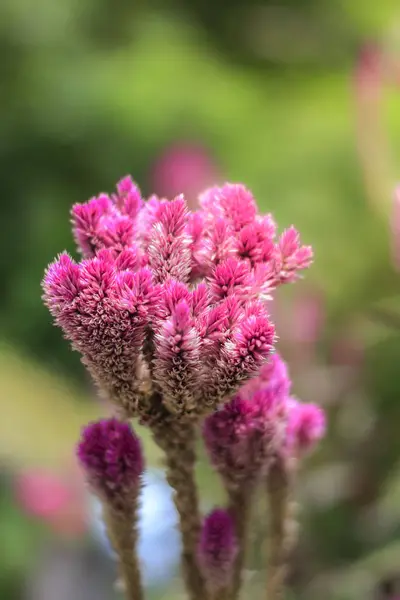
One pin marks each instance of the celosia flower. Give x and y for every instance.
(172, 296)
(217, 549)
(244, 435)
(305, 428)
(111, 457)
(104, 313)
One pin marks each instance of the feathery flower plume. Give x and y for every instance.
(168, 310)
(244, 435)
(217, 549)
(111, 457)
(104, 313)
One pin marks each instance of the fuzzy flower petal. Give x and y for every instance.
(169, 248)
(177, 359)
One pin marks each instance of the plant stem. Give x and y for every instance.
(222, 594)
(281, 538)
(123, 536)
(239, 507)
(178, 444)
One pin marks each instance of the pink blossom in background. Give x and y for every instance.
(306, 426)
(369, 73)
(375, 69)
(308, 317)
(56, 500)
(184, 168)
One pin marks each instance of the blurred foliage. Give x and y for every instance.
(93, 90)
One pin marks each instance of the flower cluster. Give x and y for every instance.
(168, 309)
(171, 302)
(260, 422)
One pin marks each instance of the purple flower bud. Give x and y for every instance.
(111, 457)
(217, 549)
(242, 437)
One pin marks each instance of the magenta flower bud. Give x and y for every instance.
(111, 456)
(128, 198)
(294, 256)
(87, 221)
(305, 428)
(217, 549)
(243, 435)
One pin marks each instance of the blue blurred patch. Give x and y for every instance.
(159, 540)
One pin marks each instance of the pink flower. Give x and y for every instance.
(217, 549)
(55, 500)
(176, 360)
(306, 427)
(171, 302)
(183, 168)
(104, 313)
(111, 457)
(243, 436)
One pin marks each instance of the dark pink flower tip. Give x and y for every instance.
(217, 549)
(256, 241)
(232, 201)
(61, 283)
(255, 338)
(233, 276)
(135, 292)
(87, 223)
(111, 456)
(129, 199)
(173, 215)
(305, 428)
(294, 256)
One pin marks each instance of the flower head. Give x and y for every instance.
(172, 296)
(243, 435)
(111, 457)
(217, 549)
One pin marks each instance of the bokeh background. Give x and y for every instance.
(300, 100)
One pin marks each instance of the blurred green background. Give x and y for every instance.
(300, 100)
